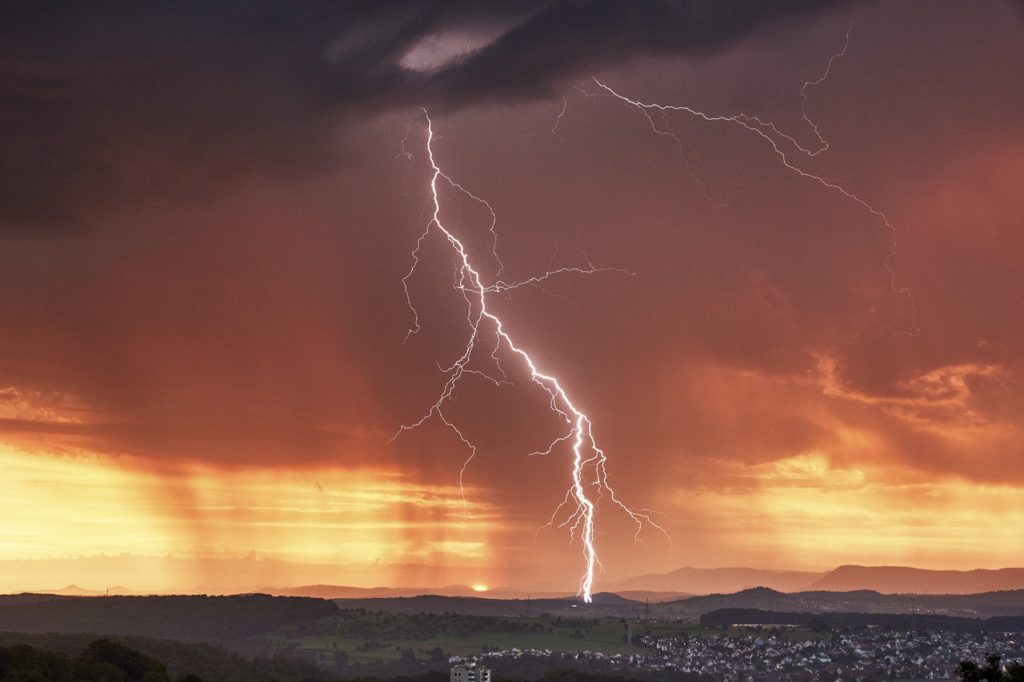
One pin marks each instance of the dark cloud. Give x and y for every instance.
(566, 38)
(104, 101)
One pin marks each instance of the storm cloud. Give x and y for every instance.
(112, 100)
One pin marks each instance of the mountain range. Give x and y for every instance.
(904, 580)
(682, 583)
(687, 582)
(716, 580)
(884, 579)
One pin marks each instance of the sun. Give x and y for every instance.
(480, 587)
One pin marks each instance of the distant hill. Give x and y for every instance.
(604, 605)
(76, 591)
(652, 596)
(985, 605)
(905, 580)
(773, 600)
(185, 618)
(717, 580)
(26, 598)
(202, 618)
(884, 579)
(346, 592)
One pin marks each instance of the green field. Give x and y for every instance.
(380, 637)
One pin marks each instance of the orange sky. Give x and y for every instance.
(201, 356)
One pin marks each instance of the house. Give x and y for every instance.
(470, 673)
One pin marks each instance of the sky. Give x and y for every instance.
(207, 212)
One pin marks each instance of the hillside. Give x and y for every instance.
(717, 580)
(345, 592)
(191, 618)
(984, 605)
(604, 605)
(348, 592)
(905, 580)
(884, 579)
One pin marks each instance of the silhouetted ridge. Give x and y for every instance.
(907, 580)
(186, 618)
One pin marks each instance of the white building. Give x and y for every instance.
(470, 673)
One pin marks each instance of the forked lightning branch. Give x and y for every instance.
(487, 332)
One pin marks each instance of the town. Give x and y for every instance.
(769, 655)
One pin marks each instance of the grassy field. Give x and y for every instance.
(606, 636)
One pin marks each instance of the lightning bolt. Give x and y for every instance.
(589, 475)
(785, 147)
(822, 142)
(589, 461)
(558, 119)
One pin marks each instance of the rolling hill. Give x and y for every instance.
(906, 580)
(884, 579)
(717, 580)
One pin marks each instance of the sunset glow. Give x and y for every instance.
(360, 527)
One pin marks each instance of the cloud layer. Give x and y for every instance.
(116, 100)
